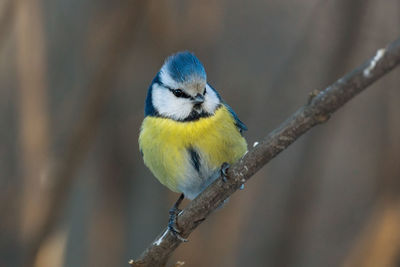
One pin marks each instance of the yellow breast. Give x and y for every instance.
(164, 144)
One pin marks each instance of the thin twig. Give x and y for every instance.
(316, 111)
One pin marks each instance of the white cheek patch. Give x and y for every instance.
(211, 100)
(169, 105)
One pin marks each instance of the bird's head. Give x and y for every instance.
(180, 90)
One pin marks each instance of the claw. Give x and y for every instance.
(173, 214)
(224, 168)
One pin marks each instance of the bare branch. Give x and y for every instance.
(318, 110)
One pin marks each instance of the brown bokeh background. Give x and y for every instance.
(73, 78)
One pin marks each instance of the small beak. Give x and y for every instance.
(198, 99)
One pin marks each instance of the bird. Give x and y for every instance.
(189, 135)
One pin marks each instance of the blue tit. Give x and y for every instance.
(188, 131)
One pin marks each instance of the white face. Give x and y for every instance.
(171, 106)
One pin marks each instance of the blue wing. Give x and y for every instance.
(241, 126)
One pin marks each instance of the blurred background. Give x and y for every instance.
(73, 78)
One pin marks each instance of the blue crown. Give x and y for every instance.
(184, 66)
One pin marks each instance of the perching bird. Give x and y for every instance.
(189, 134)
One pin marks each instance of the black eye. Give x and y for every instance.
(179, 93)
(205, 91)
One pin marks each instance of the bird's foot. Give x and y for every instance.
(224, 168)
(173, 215)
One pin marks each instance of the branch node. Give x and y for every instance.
(321, 118)
(199, 221)
(132, 263)
(312, 95)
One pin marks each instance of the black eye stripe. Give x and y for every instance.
(179, 93)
